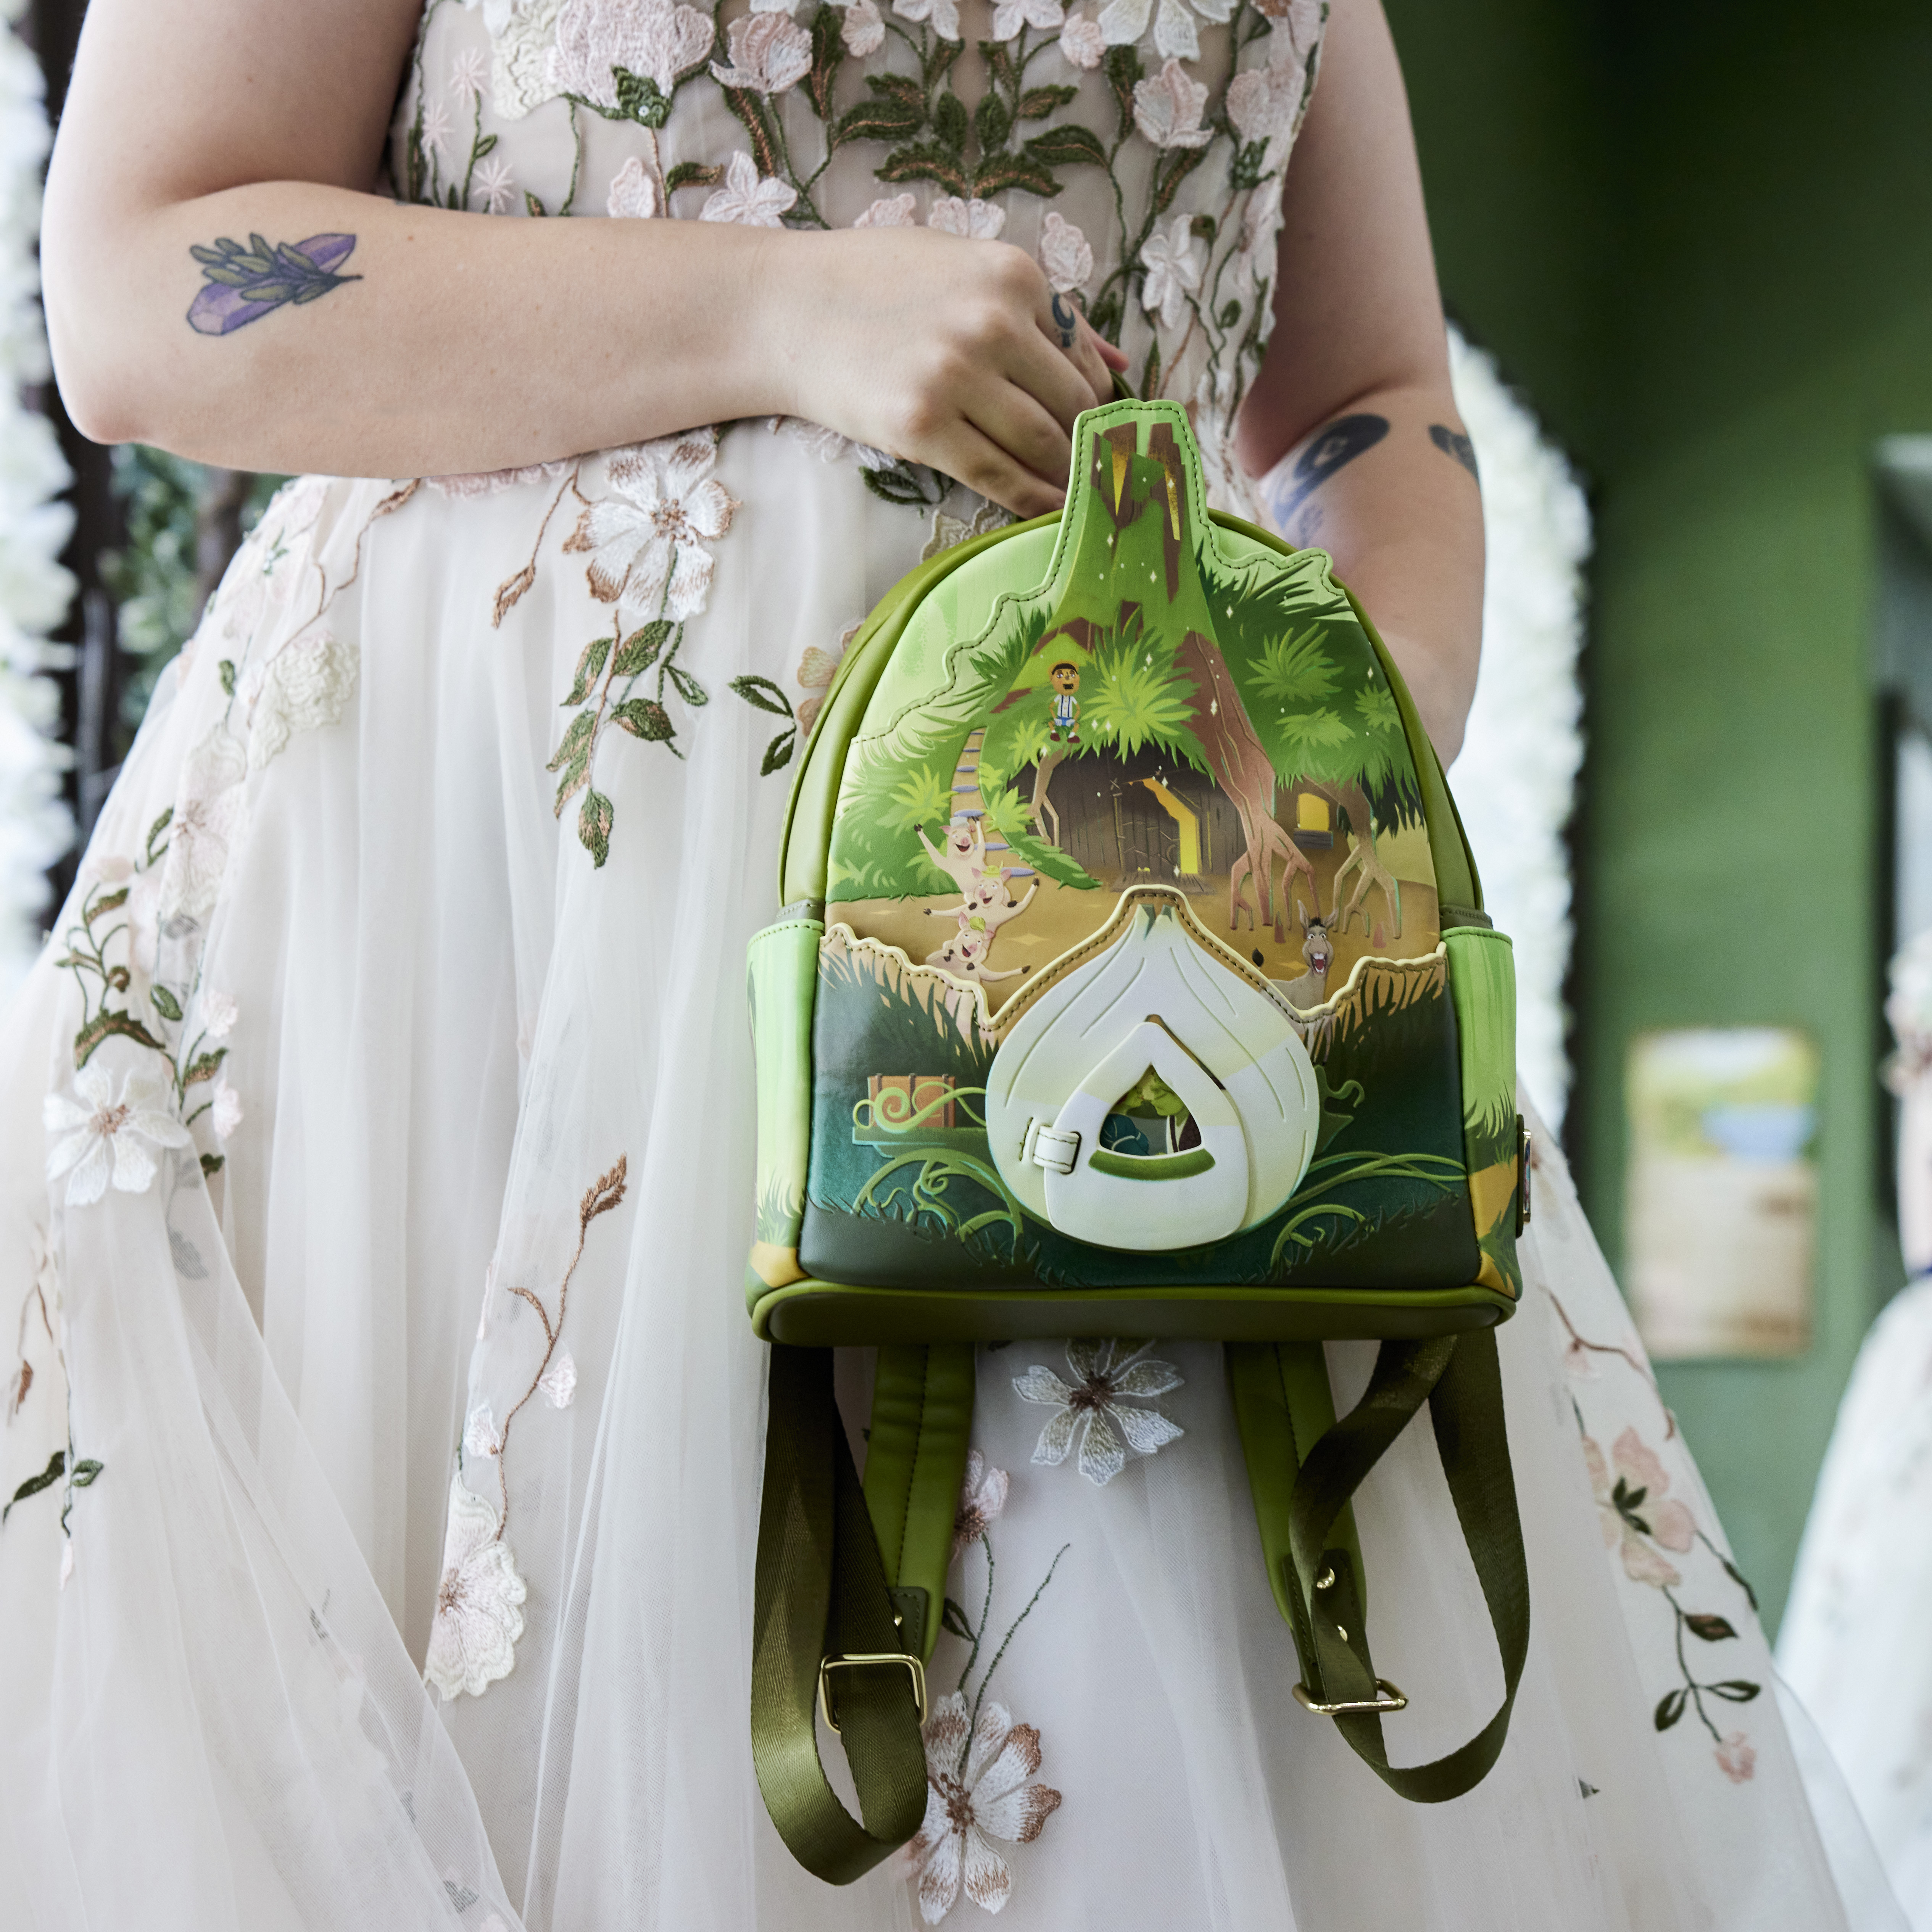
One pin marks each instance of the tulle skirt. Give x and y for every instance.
(385, 1435)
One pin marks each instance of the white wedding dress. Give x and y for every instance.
(384, 1434)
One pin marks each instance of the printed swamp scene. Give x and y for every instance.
(1131, 973)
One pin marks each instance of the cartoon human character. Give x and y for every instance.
(1065, 678)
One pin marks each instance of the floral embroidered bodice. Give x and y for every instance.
(1135, 147)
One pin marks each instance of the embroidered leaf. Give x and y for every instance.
(213, 1163)
(155, 830)
(750, 111)
(604, 1193)
(1009, 171)
(992, 122)
(204, 1066)
(689, 689)
(588, 666)
(1105, 315)
(777, 753)
(1230, 315)
(640, 98)
(1068, 147)
(899, 483)
(1735, 1689)
(880, 119)
(999, 59)
(532, 206)
(576, 776)
(692, 174)
(396, 499)
(828, 49)
(84, 1472)
(103, 1024)
(1250, 165)
(1150, 372)
(901, 87)
(110, 902)
(225, 671)
(165, 1004)
(482, 147)
(1712, 1629)
(576, 741)
(510, 592)
(953, 1618)
(643, 718)
(1122, 67)
(949, 121)
(17, 1394)
(1738, 1577)
(593, 826)
(1205, 226)
(1669, 1709)
(34, 1485)
(924, 163)
(764, 693)
(639, 651)
(1037, 102)
(1180, 163)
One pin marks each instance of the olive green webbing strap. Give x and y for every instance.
(822, 1592)
(1319, 1585)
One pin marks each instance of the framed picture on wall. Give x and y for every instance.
(1720, 1212)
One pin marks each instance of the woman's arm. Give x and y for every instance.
(442, 342)
(1355, 390)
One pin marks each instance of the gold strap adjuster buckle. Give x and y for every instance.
(1388, 1698)
(860, 1660)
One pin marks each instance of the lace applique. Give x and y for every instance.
(1096, 1407)
(306, 684)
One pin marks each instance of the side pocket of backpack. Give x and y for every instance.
(782, 975)
(1482, 982)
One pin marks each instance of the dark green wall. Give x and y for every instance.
(1702, 244)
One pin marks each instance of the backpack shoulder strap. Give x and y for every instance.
(1304, 1468)
(850, 1587)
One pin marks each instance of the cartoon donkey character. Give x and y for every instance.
(1318, 950)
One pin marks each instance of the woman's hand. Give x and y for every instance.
(953, 353)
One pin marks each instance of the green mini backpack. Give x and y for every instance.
(1132, 979)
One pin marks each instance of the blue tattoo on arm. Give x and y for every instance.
(244, 284)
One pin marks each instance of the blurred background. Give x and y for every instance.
(1683, 250)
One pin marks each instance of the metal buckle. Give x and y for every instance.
(860, 1660)
(1525, 1156)
(1390, 1699)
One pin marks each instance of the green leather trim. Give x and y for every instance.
(915, 1464)
(820, 1591)
(781, 977)
(817, 1314)
(1151, 1166)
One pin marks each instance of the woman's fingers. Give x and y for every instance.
(983, 464)
(1012, 417)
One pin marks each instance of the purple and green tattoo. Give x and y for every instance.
(243, 284)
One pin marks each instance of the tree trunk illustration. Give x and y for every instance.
(1245, 772)
(1041, 809)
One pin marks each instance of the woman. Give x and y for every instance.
(402, 977)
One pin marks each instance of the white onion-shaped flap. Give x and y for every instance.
(1155, 998)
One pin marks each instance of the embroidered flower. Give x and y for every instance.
(467, 72)
(770, 52)
(435, 128)
(981, 1497)
(224, 1111)
(634, 192)
(1737, 1758)
(992, 1798)
(1010, 15)
(1105, 1372)
(473, 1637)
(948, 531)
(1175, 36)
(895, 211)
(219, 1013)
(479, 1433)
(494, 184)
(816, 671)
(653, 39)
(1300, 19)
(105, 1133)
(827, 445)
(211, 811)
(1251, 264)
(1081, 41)
(1637, 1513)
(1167, 108)
(977, 220)
(746, 198)
(306, 684)
(864, 31)
(1174, 266)
(558, 1383)
(1065, 253)
(647, 542)
(1257, 109)
(944, 15)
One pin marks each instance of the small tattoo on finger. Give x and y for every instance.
(1452, 442)
(1066, 319)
